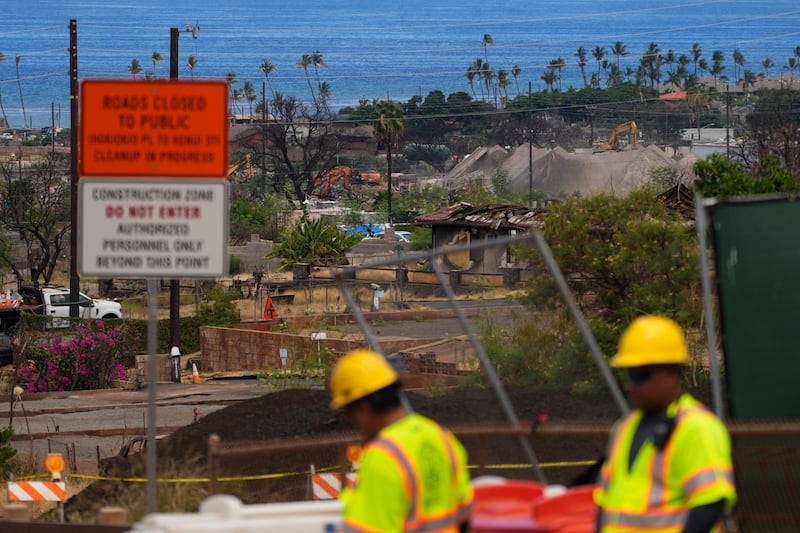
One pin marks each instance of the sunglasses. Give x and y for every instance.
(638, 377)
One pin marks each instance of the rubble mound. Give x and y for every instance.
(558, 171)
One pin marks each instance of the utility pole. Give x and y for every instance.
(530, 148)
(174, 284)
(74, 279)
(728, 121)
(264, 140)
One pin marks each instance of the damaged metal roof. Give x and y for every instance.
(496, 216)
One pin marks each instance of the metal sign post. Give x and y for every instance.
(136, 219)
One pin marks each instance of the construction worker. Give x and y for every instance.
(668, 466)
(412, 473)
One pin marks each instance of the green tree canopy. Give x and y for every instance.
(316, 242)
(718, 177)
(622, 257)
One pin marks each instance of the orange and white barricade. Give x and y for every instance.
(37, 491)
(327, 486)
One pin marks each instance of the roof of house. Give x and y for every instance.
(495, 216)
(679, 199)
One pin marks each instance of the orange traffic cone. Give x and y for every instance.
(195, 374)
(269, 309)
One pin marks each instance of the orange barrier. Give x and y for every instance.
(328, 486)
(37, 491)
(512, 499)
(571, 512)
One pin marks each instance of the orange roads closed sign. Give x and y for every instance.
(153, 128)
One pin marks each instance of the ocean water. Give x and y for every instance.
(371, 49)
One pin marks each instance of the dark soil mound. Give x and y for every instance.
(301, 412)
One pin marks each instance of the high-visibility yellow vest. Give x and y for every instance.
(657, 492)
(412, 478)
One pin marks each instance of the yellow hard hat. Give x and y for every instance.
(651, 340)
(358, 374)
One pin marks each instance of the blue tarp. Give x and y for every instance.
(367, 229)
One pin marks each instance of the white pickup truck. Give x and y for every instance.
(53, 301)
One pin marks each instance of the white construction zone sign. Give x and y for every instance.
(141, 229)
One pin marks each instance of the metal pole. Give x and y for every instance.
(530, 148)
(152, 379)
(174, 284)
(74, 279)
(505, 402)
(728, 121)
(701, 221)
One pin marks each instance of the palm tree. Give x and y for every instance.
(618, 50)
(267, 67)
(488, 78)
(738, 61)
(478, 68)
(238, 97)
(599, 53)
(581, 54)
(470, 75)
(717, 68)
(306, 61)
(487, 41)
(388, 126)
(503, 81)
(696, 53)
(652, 61)
(703, 64)
(325, 94)
(614, 75)
(230, 77)
(675, 79)
(17, 59)
(325, 91)
(516, 70)
(559, 65)
(670, 59)
(251, 95)
(767, 64)
(791, 65)
(317, 61)
(191, 63)
(2, 107)
(155, 58)
(748, 81)
(135, 68)
(549, 78)
(488, 75)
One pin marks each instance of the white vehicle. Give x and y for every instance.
(6, 135)
(53, 301)
(403, 236)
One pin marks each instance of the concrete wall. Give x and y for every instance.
(240, 349)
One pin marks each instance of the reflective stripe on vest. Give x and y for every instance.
(658, 516)
(415, 522)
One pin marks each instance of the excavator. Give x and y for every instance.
(244, 162)
(324, 183)
(613, 140)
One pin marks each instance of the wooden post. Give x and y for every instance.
(112, 515)
(17, 512)
(213, 459)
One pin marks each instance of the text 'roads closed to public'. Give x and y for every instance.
(153, 128)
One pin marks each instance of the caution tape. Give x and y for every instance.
(262, 477)
(557, 464)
